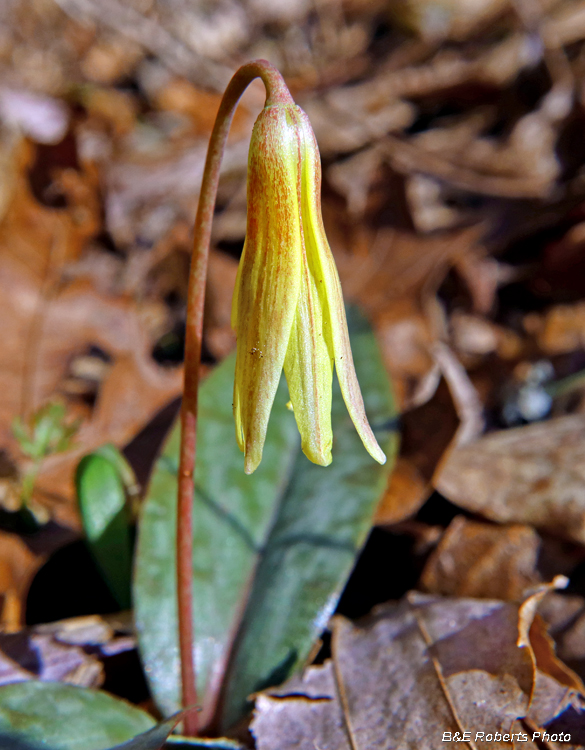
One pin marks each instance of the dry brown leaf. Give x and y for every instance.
(314, 721)
(181, 96)
(394, 276)
(391, 265)
(473, 335)
(447, 19)
(531, 474)
(406, 492)
(33, 656)
(482, 560)
(221, 279)
(414, 674)
(565, 618)
(571, 645)
(427, 432)
(561, 329)
(546, 658)
(116, 109)
(18, 564)
(350, 117)
(556, 687)
(49, 322)
(406, 335)
(70, 650)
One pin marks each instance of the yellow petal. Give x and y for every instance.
(234, 315)
(329, 288)
(308, 367)
(269, 278)
(238, 418)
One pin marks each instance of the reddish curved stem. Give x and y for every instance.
(276, 93)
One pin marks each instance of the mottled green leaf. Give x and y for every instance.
(233, 514)
(154, 738)
(272, 551)
(160, 736)
(102, 501)
(53, 716)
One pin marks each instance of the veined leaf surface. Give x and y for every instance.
(54, 716)
(272, 551)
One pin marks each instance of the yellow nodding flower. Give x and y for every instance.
(288, 308)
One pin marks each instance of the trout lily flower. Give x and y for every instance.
(287, 307)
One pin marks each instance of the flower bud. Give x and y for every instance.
(288, 308)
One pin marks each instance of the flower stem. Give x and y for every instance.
(276, 93)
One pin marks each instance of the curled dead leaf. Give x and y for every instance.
(414, 674)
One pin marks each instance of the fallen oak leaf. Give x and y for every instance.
(50, 321)
(419, 673)
(385, 689)
(133, 390)
(35, 243)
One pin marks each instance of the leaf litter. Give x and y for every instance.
(451, 137)
(422, 673)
